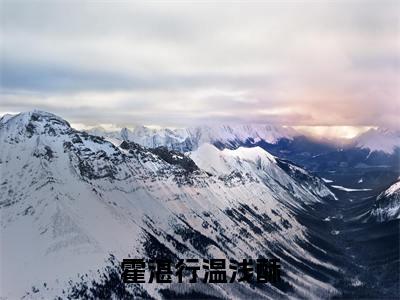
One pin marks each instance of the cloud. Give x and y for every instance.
(174, 64)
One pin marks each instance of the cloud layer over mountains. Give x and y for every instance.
(175, 64)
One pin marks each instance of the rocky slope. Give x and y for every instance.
(69, 200)
(387, 204)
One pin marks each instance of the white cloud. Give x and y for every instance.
(302, 63)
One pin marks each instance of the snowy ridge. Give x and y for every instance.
(187, 139)
(393, 189)
(258, 162)
(379, 140)
(5, 118)
(75, 198)
(233, 136)
(387, 204)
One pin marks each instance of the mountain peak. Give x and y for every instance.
(34, 122)
(379, 139)
(36, 115)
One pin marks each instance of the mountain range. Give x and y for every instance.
(186, 139)
(73, 204)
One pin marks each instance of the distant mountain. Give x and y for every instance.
(351, 164)
(348, 165)
(233, 136)
(370, 160)
(380, 139)
(187, 139)
(70, 200)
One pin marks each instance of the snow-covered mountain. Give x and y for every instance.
(187, 139)
(233, 136)
(69, 199)
(380, 139)
(387, 204)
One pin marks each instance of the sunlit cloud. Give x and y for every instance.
(329, 132)
(177, 64)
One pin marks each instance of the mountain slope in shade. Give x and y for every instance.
(69, 199)
(379, 140)
(387, 204)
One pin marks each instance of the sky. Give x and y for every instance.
(300, 63)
